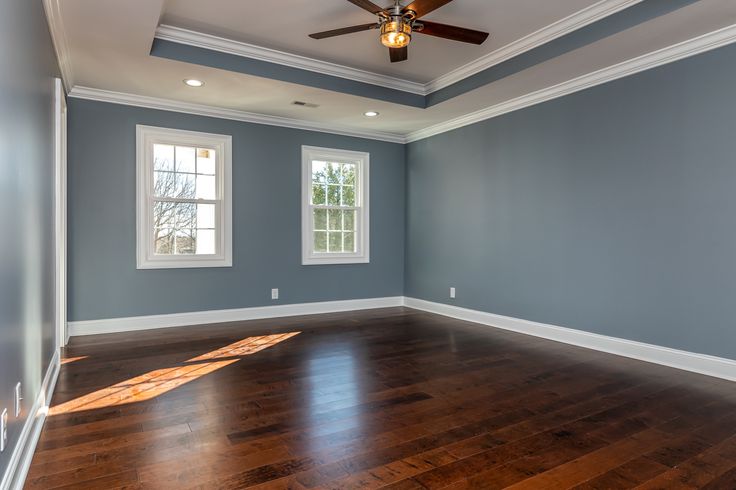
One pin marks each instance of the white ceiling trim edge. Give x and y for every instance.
(691, 47)
(582, 18)
(215, 43)
(232, 114)
(578, 20)
(59, 40)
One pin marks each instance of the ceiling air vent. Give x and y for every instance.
(304, 104)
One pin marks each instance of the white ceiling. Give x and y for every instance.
(109, 43)
(257, 23)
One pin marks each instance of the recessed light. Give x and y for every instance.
(193, 82)
(371, 114)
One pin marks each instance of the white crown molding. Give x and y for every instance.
(215, 43)
(578, 20)
(20, 459)
(679, 359)
(223, 113)
(676, 52)
(59, 40)
(129, 324)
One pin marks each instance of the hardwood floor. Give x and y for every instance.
(391, 398)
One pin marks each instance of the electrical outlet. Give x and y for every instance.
(275, 293)
(4, 430)
(452, 293)
(18, 398)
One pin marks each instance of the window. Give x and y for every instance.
(334, 206)
(184, 213)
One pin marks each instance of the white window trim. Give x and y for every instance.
(146, 136)
(309, 256)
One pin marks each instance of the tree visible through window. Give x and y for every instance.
(335, 220)
(184, 205)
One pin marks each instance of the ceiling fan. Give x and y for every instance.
(397, 24)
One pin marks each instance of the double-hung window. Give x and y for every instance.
(184, 211)
(335, 225)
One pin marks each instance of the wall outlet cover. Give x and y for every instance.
(452, 293)
(18, 399)
(4, 430)
(275, 293)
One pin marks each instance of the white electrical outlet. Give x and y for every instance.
(452, 293)
(4, 430)
(275, 293)
(18, 398)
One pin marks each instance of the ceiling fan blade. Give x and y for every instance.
(367, 5)
(452, 32)
(423, 7)
(344, 30)
(398, 54)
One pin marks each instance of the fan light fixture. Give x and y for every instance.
(395, 33)
(192, 82)
(371, 114)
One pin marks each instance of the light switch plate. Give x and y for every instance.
(18, 399)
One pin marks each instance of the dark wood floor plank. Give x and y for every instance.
(391, 398)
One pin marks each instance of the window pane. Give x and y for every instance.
(333, 173)
(349, 220)
(185, 241)
(163, 157)
(333, 195)
(163, 214)
(320, 241)
(319, 194)
(205, 216)
(205, 242)
(335, 242)
(348, 195)
(319, 171)
(334, 221)
(349, 242)
(206, 187)
(320, 219)
(186, 214)
(348, 173)
(164, 184)
(206, 161)
(164, 241)
(185, 159)
(184, 186)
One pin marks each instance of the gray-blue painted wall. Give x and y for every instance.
(103, 280)
(26, 207)
(612, 210)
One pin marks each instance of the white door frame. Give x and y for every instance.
(60, 148)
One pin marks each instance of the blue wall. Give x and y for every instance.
(103, 279)
(612, 210)
(26, 207)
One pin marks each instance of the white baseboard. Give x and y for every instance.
(20, 460)
(129, 324)
(688, 361)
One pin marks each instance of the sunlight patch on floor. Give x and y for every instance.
(154, 383)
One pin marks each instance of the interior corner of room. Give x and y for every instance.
(456, 244)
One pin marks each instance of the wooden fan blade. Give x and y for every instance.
(423, 7)
(451, 32)
(366, 5)
(398, 54)
(344, 30)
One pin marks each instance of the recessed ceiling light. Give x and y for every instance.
(193, 82)
(371, 114)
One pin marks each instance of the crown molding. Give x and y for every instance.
(59, 40)
(220, 44)
(578, 20)
(232, 114)
(685, 49)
